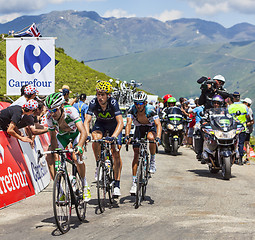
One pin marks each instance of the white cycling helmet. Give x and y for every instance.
(220, 78)
(139, 96)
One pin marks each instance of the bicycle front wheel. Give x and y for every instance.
(62, 204)
(101, 187)
(80, 204)
(139, 184)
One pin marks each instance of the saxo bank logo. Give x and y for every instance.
(30, 59)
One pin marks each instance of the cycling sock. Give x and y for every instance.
(153, 157)
(117, 183)
(84, 182)
(134, 179)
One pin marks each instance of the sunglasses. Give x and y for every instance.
(139, 103)
(217, 103)
(53, 110)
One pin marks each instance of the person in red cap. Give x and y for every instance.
(11, 116)
(165, 98)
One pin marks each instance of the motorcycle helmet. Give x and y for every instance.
(166, 97)
(139, 97)
(171, 100)
(219, 78)
(218, 99)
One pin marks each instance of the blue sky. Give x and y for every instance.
(225, 12)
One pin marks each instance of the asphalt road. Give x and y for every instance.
(184, 201)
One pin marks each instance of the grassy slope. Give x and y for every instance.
(176, 70)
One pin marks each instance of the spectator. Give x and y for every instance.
(11, 116)
(248, 102)
(66, 92)
(81, 106)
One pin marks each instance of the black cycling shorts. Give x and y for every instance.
(142, 131)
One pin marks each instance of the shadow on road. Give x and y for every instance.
(169, 154)
(131, 199)
(207, 174)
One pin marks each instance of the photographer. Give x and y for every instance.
(211, 87)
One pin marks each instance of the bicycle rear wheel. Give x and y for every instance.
(101, 187)
(62, 204)
(139, 183)
(80, 204)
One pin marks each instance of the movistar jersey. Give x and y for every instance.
(68, 125)
(150, 113)
(112, 110)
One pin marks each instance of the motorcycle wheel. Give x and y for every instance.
(175, 148)
(226, 168)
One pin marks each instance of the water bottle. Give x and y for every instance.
(57, 165)
(73, 182)
(108, 164)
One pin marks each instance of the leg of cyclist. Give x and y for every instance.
(152, 146)
(117, 167)
(96, 135)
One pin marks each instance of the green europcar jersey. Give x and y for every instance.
(71, 117)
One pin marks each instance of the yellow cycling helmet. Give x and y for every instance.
(104, 87)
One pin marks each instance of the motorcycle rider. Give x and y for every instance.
(165, 98)
(242, 117)
(147, 121)
(217, 103)
(210, 88)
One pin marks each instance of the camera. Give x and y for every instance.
(205, 81)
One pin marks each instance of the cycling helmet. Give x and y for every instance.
(166, 97)
(139, 96)
(54, 100)
(171, 100)
(103, 86)
(219, 78)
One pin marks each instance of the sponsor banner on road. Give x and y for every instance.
(15, 180)
(30, 61)
(38, 169)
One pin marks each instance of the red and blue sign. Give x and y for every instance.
(30, 61)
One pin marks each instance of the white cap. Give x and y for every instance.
(219, 77)
(248, 100)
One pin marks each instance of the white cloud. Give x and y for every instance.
(9, 17)
(169, 15)
(213, 7)
(118, 13)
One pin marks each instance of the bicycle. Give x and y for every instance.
(65, 193)
(142, 174)
(105, 174)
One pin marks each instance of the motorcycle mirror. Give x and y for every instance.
(238, 113)
(202, 114)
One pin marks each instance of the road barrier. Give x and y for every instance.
(21, 175)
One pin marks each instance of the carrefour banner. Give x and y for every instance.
(30, 61)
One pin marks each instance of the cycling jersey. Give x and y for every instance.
(112, 110)
(150, 113)
(68, 124)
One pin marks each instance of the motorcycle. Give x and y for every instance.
(172, 130)
(220, 132)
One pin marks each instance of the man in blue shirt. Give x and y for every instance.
(81, 106)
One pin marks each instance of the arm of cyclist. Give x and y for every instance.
(119, 126)
(87, 121)
(128, 129)
(159, 129)
(38, 129)
(83, 137)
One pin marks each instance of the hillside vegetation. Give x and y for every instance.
(80, 78)
(175, 70)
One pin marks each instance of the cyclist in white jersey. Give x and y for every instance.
(65, 125)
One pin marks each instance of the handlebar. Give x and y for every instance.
(142, 140)
(103, 140)
(58, 151)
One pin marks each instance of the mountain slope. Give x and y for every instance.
(88, 36)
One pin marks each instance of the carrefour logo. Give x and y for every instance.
(43, 59)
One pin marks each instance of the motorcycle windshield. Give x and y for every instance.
(174, 115)
(221, 119)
